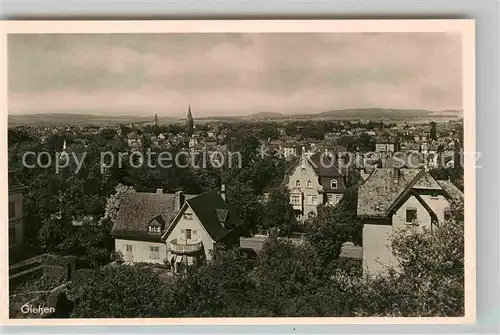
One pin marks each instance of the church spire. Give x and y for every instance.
(189, 122)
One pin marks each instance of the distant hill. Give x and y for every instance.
(361, 113)
(265, 115)
(376, 113)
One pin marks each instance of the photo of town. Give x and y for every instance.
(212, 175)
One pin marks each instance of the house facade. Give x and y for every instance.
(313, 181)
(139, 223)
(202, 224)
(16, 222)
(386, 145)
(393, 198)
(173, 228)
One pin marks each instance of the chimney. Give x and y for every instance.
(395, 175)
(179, 200)
(159, 191)
(223, 192)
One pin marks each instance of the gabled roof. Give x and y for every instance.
(380, 194)
(208, 207)
(323, 165)
(139, 209)
(379, 191)
(450, 188)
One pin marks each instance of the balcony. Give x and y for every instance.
(297, 207)
(183, 248)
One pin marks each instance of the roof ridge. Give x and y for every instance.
(407, 189)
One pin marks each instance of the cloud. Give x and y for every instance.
(233, 74)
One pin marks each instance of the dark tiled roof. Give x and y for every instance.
(138, 209)
(427, 182)
(379, 191)
(326, 183)
(450, 188)
(208, 208)
(324, 166)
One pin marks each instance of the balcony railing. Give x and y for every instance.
(183, 248)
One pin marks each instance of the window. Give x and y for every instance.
(411, 215)
(297, 183)
(338, 197)
(309, 200)
(309, 184)
(154, 252)
(128, 247)
(314, 199)
(153, 229)
(331, 200)
(12, 209)
(434, 195)
(187, 216)
(333, 184)
(295, 199)
(188, 234)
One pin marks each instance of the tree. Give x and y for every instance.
(219, 288)
(278, 214)
(286, 274)
(433, 134)
(123, 292)
(332, 227)
(432, 264)
(429, 280)
(242, 198)
(113, 203)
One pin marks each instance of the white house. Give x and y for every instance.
(175, 228)
(391, 198)
(203, 223)
(313, 181)
(140, 221)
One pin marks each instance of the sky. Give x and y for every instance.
(232, 74)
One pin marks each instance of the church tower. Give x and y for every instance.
(189, 122)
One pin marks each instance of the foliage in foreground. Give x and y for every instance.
(290, 280)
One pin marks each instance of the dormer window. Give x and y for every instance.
(333, 184)
(154, 229)
(155, 225)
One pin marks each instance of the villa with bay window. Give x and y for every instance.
(312, 181)
(178, 230)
